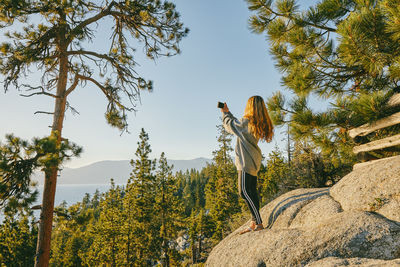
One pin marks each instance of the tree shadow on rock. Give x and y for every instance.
(286, 203)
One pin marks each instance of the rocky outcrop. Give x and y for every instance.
(375, 187)
(334, 262)
(356, 222)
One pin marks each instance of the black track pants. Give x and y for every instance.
(247, 185)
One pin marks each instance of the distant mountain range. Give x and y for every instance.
(102, 171)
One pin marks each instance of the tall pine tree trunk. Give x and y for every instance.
(200, 244)
(49, 191)
(194, 258)
(164, 235)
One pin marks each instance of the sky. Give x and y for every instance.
(221, 60)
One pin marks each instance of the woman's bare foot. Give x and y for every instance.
(258, 227)
(251, 228)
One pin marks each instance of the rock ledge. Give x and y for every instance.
(354, 223)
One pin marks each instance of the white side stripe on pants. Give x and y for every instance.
(258, 219)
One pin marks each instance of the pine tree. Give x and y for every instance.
(344, 52)
(274, 176)
(310, 168)
(129, 224)
(61, 236)
(188, 194)
(72, 233)
(191, 189)
(221, 189)
(204, 232)
(200, 230)
(56, 48)
(199, 188)
(193, 233)
(141, 228)
(18, 236)
(107, 231)
(168, 207)
(20, 158)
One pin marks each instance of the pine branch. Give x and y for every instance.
(91, 20)
(84, 52)
(104, 90)
(73, 110)
(73, 86)
(44, 112)
(42, 92)
(322, 27)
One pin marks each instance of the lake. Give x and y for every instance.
(72, 193)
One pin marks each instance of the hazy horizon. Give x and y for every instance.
(101, 172)
(94, 162)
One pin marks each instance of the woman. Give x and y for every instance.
(254, 126)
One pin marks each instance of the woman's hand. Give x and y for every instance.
(225, 108)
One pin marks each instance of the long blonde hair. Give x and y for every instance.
(260, 124)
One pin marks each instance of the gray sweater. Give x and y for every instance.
(248, 154)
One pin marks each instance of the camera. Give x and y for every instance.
(221, 105)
